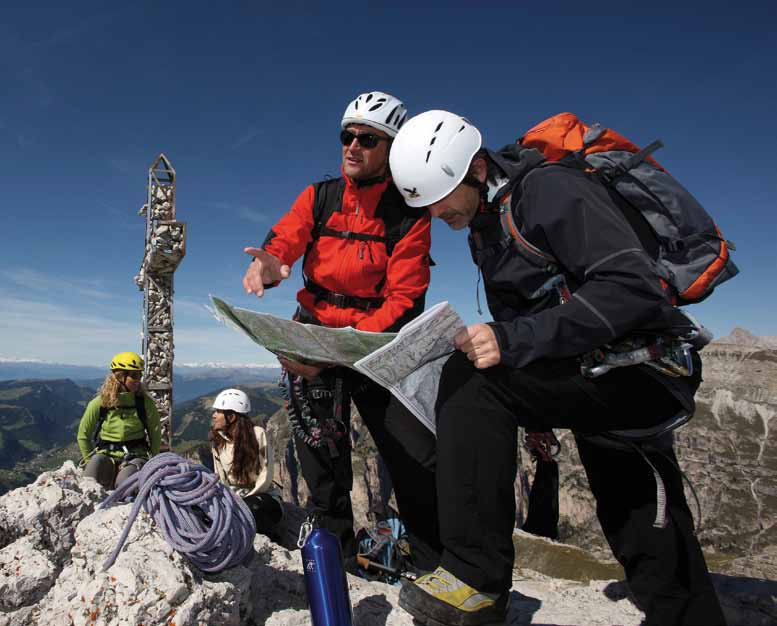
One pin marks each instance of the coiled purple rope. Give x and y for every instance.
(197, 515)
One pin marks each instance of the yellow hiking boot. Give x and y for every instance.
(441, 599)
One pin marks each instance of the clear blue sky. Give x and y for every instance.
(246, 100)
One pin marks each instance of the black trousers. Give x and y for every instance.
(407, 449)
(542, 516)
(478, 413)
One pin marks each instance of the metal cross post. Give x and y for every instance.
(165, 248)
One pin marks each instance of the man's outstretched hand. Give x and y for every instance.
(265, 270)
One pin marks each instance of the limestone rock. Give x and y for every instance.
(48, 510)
(60, 582)
(26, 574)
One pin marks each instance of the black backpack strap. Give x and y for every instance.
(327, 198)
(140, 408)
(100, 422)
(619, 169)
(525, 248)
(398, 218)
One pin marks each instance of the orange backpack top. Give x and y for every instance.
(693, 256)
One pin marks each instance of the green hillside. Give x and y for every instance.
(37, 416)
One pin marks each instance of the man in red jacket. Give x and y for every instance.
(366, 265)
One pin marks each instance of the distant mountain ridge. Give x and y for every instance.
(189, 381)
(743, 337)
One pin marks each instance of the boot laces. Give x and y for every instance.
(440, 580)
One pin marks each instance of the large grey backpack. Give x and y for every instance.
(693, 256)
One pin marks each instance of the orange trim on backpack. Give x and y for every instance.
(702, 283)
(507, 219)
(562, 134)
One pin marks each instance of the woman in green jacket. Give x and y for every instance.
(120, 428)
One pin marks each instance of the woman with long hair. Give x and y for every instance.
(119, 430)
(243, 458)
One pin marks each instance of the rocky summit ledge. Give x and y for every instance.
(53, 542)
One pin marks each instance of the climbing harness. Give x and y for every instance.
(670, 357)
(313, 430)
(197, 515)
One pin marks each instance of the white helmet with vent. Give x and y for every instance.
(431, 155)
(377, 109)
(232, 400)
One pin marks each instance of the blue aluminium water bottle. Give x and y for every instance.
(325, 581)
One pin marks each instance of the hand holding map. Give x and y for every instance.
(407, 363)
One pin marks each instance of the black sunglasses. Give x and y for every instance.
(366, 140)
(134, 374)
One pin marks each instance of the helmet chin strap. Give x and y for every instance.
(482, 187)
(472, 181)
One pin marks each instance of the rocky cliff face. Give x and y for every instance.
(53, 541)
(728, 451)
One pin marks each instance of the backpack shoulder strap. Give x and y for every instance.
(510, 226)
(140, 407)
(100, 421)
(398, 218)
(328, 199)
(525, 248)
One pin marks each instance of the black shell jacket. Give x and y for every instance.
(567, 213)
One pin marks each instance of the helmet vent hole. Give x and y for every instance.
(428, 154)
(368, 98)
(390, 115)
(431, 143)
(439, 126)
(375, 107)
(462, 128)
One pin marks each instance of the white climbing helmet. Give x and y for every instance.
(377, 109)
(232, 400)
(431, 155)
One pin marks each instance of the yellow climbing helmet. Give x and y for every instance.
(127, 361)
